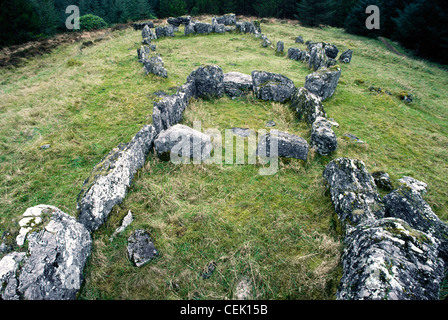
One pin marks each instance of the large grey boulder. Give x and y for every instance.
(164, 31)
(237, 84)
(307, 105)
(272, 86)
(51, 269)
(140, 248)
(168, 111)
(323, 82)
(346, 56)
(408, 204)
(219, 28)
(353, 191)
(227, 19)
(386, 259)
(246, 27)
(182, 143)
(283, 145)
(203, 28)
(297, 54)
(209, 81)
(155, 65)
(189, 29)
(109, 181)
(323, 138)
(331, 50)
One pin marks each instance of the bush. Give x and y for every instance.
(90, 21)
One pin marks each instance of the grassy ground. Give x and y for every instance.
(278, 231)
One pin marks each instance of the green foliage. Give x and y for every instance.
(90, 21)
(314, 13)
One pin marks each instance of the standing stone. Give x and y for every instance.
(183, 142)
(280, 47)
(323, 82)
(209, 81)
(270, 86)
(296, 54)
(331, 50)
(323, 138)
(58, 249)
(203, 28)
(109, 181)
(299, 39)
(307, 105)
(346, 56)
(219, 28)
(189, 29)
(168, 111)
(140, 248)
(288, 146)
(155, 66)
(266, 43)
(318, 57)
(237, 84)
(353, 191)
(166, 31)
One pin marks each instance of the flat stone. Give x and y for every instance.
(140, 248)
(237, 84)
(270, 86)
(282, 144)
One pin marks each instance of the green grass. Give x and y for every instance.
(279, 231)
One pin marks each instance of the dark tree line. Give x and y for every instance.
(419, 25)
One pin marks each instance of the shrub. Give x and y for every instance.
(90, 21)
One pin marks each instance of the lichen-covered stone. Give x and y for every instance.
(219, 28)
(189, 29)
(414, 184)
(323, 138)
(52, 268)
(183, 142)
(168, 111)
(280, 47)
(237, 84)
(155, 66)
(203, 28)
(296, 54)
(408, 204)
(109, 181)
(227, 19)
(270, 86)
(331, 50)
(318, 57)
(246, 27)
(307, 105)
(299, 39)
(164, 31)
(140, 248)
(353, 191)
(386, 259)
(187, 91)
(346, 56)
(283, 145)
(9, 265)
(209, 81)
(323, 82)
(382, 180)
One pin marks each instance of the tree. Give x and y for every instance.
(266, 8)
(314, 13)
(356, 20)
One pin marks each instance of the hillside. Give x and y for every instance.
(279, 232)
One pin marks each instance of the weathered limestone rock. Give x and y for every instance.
(272, 86)
(155, 66)
(243, 290)
(331, 50)
(58, 248)
(148, 35)
(346, 56)
(168, 111)
(227, 19)
(165, 31)
(176, 22)
(202, 27)
(297, 54)
(187, 91)
(323, 82)
(318, 57)
(323, 138)
(109, 181)
(408, 204)
(237, 84)
(414, 184)
(9, 265)
(353, 191)
(140, 248)
(189, 29)
(143, 53)
(382, 180)
(307, 105)
(280, 47)
(288, 146)
(299, 39)
(209, 81)
(246, 27)
(183, 142)
(387, 259)
(219, 28)
(266, 43)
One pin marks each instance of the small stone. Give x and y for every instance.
(208, 270)
(382, 180)
(299, 39)
(270, 123)
(352, 137)
(45, 146)
(127, 220)
(140, 248)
